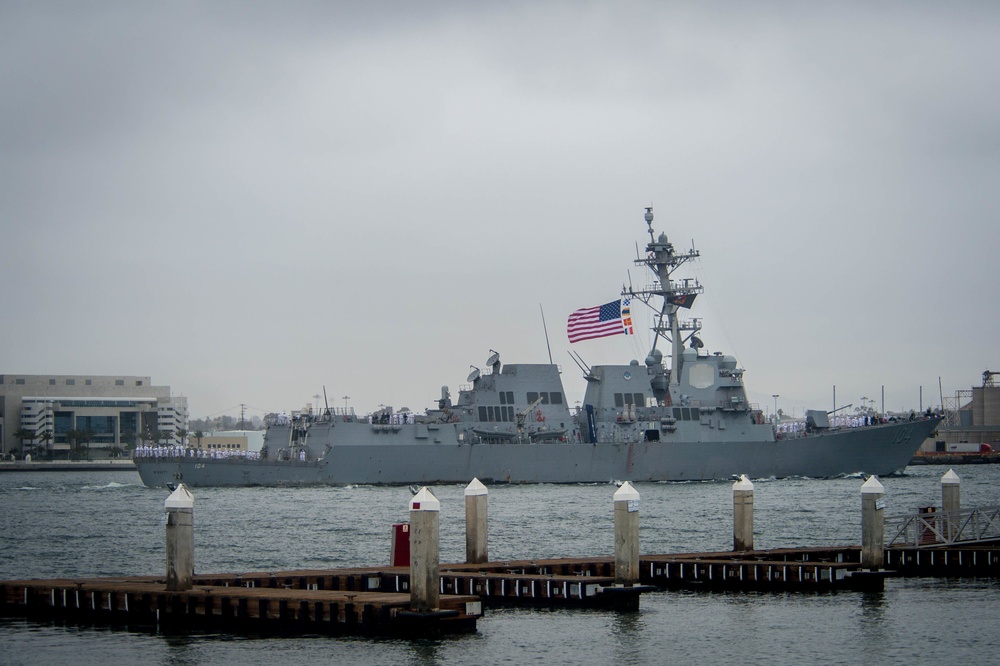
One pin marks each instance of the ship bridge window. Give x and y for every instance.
(506, 397)
(553, 398)
(687, 413)
(622, 399)
(496, 413)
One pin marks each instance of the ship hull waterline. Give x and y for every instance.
(878, 450)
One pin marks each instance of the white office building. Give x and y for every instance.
(60, 416)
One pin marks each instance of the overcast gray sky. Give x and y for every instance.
(251, 201)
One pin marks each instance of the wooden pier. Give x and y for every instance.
(428, 598)
(376, 600)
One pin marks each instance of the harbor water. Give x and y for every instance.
(88, 524)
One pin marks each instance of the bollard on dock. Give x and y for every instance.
(743, 514)
(425, 577)
(476, 523)
(872, 524)
(180, 539)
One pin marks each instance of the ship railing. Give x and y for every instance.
(933, 528)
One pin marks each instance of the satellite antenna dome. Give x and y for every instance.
(474, 375)
(650, 361)
(633, 362)
(658, 355)
(649, 215)
(663, 238)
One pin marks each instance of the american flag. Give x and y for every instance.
(600, 321)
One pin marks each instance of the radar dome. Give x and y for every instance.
(728, 363)
(633, 362)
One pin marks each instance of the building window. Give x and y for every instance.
(87, 382)
(119, 382)
(138, 383)
(52, 382)
(19, 380)
(70, 382)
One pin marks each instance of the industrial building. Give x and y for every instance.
(972, 417)
(99, 416)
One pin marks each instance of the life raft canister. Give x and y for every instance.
(538, 416)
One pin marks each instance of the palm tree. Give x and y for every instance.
(182, 433)
(46, 437)
(86, 436)
(198, 434)
(128, 440)
(23, 434)
(74, 442)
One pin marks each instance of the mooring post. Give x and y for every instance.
(425, 576)
(872, 524)
(180, 539)
(626, 535)
(951, 501)
(476, 523)
(743, 514)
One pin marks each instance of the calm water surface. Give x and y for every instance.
(101, 524)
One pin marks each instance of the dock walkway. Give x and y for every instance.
(376, 600)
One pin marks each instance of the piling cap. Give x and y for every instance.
(425, 501)
(950, 478)
(743, 483)
(476, 487)
(180, 499)
(872, 486)
(626, 492)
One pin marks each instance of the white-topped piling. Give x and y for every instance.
(180, 539)
(951, 500)
(951, 491)
(425, 565)
(476, 523)
(743, 514)
(626, 535)
(872, 524)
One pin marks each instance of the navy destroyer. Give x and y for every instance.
(682, 414)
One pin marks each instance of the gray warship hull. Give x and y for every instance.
(405, 459)
(678, 416)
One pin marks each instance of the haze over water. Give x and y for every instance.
(98, 524)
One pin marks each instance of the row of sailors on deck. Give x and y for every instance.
(797, 427)
(392, 419)
(854, 421)
(181, 452)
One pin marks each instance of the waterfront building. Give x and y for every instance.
(99, 415)
(972, 418)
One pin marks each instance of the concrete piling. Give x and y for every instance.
(476, 523)
(180, 539)
(872, 524)
(425, 577)
(743, 514)
(626, 535)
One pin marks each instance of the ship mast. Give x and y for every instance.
(665, 296)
